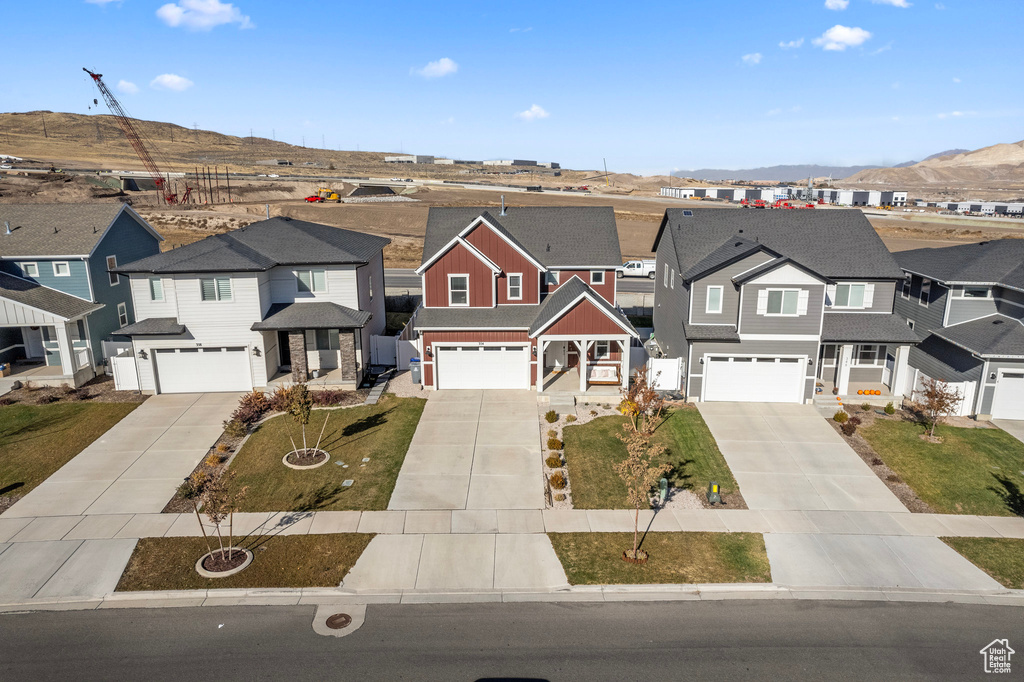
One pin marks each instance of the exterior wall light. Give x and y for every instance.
(256, 351)
(430, 353)
(142, 354)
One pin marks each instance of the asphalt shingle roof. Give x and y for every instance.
(311, 315)
(500, 317)
(995, 336)
(43, 298)
(734, 248)
(263, 245)
(79, 227)
(1000, 261)
(564, 295)
(836, 243)
(554, 235)
(710, 332)
(867, 328)
(153, 326)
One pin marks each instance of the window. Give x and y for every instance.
(905, 293)
(849, 296)
(782, 301)
(666, 276)
(215, 288)
(551, 278)
(868, 354)
(714, 303)
(311, 281)
(30, 269)
(156, 289)
(111, 266)
(601, 349)
(597, 276)
(61, 269)
(910, 323)
(515, 286)
(458, 290)
(326, 339)
(926, 290)
(977, 292)
(122, 314)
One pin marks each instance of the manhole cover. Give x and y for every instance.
(339, 621)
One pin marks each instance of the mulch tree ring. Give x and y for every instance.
(639, 558)
(309, 458)
(221, 565)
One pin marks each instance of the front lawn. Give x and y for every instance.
(972, 471)
(592, 449)
(36, 440)
(380, 432)
(279, 561)
(1001, 558)
(596, 558)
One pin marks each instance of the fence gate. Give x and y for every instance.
(382, 350)
(665, 373)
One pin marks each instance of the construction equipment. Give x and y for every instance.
(326, 194)
(135, 139)
(756, 203)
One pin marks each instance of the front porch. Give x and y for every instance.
(583, 366)
(857, 392)
(567, 381)
(321, 378)
(857, 373)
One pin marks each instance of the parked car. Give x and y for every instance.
(314, 199)
(637, 268)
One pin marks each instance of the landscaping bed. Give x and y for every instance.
(687, 558)
(280, 561)
(591, 450)
(37, 440)
(97, 390)
(1001, 558)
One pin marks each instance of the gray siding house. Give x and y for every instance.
(59, 296)
(778, 306)
(968, 303)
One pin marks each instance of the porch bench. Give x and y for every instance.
(608, 375)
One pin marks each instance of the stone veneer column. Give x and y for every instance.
(346, 341)
(297, 350)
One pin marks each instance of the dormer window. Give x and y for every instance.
(551, 278)
(597, 276)
(61, 269)
(458, 290)
(977, 292)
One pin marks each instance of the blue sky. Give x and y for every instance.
(650, 86)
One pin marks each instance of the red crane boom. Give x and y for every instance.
(135, 139)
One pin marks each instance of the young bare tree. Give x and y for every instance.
(641, 403)
(219, 504)
(300, 406)
(639, 472)
(938, 399)
(192, 490)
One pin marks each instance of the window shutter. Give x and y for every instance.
(830, 295)
(319, 280)
(762, 302)
(209, 289)
(869, 295)
(801, 304)
(223, 289)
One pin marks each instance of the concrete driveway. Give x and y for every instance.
(1014, 427)
(787, 457)
(136, 466)
(474, 450)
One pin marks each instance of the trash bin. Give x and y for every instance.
(414, 368)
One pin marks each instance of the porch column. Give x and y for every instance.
(64, 345)
(583, 365)
(542, 347)
(297, 350)
(898, 381)
(347, 361)
(624, 344)
(845, 360)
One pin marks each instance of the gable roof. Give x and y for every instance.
(42, 298)
(311, 315)
(1000, 261)
(995, 336)
(556, 236)
(774, 264)
(457, 240)
(263, 245)
(153, 326)
(567, 296)
(731, 250)
(61, 230)
(860, 328)
(835, 243)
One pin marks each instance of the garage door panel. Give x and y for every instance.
(744, 378)
(202, 370)
(1008, 401)
(482, 367)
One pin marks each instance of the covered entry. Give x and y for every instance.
(202, 370)
(754, 379)
(483, 366)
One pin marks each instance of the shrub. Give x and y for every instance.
(593, 413)
(840, 416)
(553, 462)
(557, 480)
(5, 401)
(848, 428)
(223, 448)
(48, 398)
(554, 444)
(280, 399)
(256, 400)
(552, 433)
(855, 421)
(865, 407)
(81, 394)
(246, 415)
(329, 397)
(890, 409)
(212, 459)
(560, 497)
(68, 391)
(570, 418)
(235, 429)
(551, 416)
(893, 478)
(876, 461)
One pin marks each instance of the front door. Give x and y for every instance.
(284, 350)
(557, 355)
(572, 355)
(33, 342)
(890, 365)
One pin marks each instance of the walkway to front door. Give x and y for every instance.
(474, 449)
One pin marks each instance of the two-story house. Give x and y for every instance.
(275, 301)
(59, 295)
(968, 303)
(520, 298)
(778, 306)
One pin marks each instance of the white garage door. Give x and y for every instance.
(482, 367)
(1008, 401)
(202, 370)
(762, 380)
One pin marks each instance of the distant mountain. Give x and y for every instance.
(773, 173)
(948, 152)
(998, 163)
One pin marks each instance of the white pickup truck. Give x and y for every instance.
(637, 268)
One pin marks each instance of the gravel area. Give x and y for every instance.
(548, 430)
(378, 200)
(401, 385)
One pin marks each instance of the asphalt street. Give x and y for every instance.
(407, 279)
(570, 641)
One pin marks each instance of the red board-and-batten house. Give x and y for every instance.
(509, 295)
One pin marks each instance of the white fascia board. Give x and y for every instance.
(526, 254)
(775, 337)
(575, 302)
(447, 247)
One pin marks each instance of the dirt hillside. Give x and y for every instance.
(1000, 163)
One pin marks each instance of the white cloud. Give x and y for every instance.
(171, 81)
(792, 44)
(773, 112)
(884, 48)
(127, 87)
(894, 3)
(957, 114)
(840, 37)
(752, 58)
(520, 30)
(955, 79)
(837, 5)
(202, 15)
(442, 67)
(939, 6)
(533, 113)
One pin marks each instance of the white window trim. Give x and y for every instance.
(112, 279)
(836, 306)
(923, 300)
(672, 279)
(28, 268)
(597, 277)
(508, 290)
(458, 305)
(767, 313)
(963, 291)
(905, 287)
(312, 281)
(149, 285)
(64, 263)
(553, 275)
(216, 290)
(707, 299)
(607, 350)
(878, 352)
(910, 323)
(122, 313)
(665, 283)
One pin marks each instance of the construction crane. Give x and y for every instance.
(135, 139)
